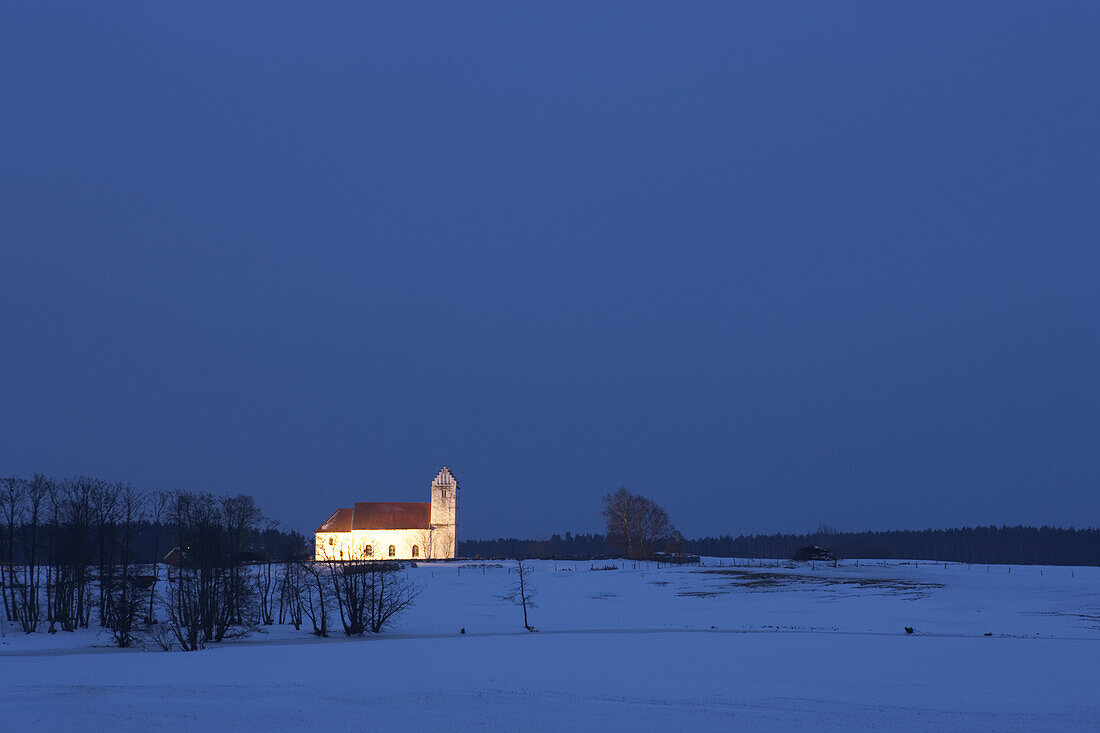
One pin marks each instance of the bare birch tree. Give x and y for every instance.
(635, 524)
(522, 591)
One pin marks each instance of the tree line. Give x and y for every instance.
(1018, 545)
(990, 545)
(82, 551)
(638, 528)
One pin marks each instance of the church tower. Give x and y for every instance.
(444, 530)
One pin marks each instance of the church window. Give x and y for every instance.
(393, 551)
(330, 542)
(443, 493)
(368, 550)
(416, 550)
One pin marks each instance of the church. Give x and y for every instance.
(393, 530)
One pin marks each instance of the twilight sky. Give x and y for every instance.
(770, 263)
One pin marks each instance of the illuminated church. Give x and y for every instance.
(390, 530)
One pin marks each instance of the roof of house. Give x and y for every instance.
(380, 515)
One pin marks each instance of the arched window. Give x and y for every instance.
(416, 550)
(330, 542)
(393, 551)
(368, 550)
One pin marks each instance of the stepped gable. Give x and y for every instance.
(445, 479)
(392, 515)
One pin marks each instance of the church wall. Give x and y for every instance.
(443, 543)
(345, 545)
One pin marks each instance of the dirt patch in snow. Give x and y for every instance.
(763, 582)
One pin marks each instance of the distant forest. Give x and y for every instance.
(990, 545)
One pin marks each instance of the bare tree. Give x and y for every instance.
(194, 597)
(349, 582)
(38, 492)
(72, 526)
(184, 604)
(391, 594)
(209, 592)
(635, 524)
(124, 593)
(291, 590)
(11, 499)
(21, 504)
(12, 495)
(267, 579)
(105, 512)
(522, 591)
(369, 594)
(314, 596)
(269, 576)
(158, 510)
(241, 518)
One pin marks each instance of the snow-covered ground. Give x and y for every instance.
(719, 647)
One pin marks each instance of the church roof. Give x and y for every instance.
(340, 521)
(380, 515)
(392, 515)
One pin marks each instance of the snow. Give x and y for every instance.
(792, 648)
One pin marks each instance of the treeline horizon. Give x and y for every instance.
(152, 541)
(992, 545)
(50, 509)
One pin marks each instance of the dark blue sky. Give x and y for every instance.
(770, 263)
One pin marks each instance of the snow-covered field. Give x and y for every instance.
(718, 647)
